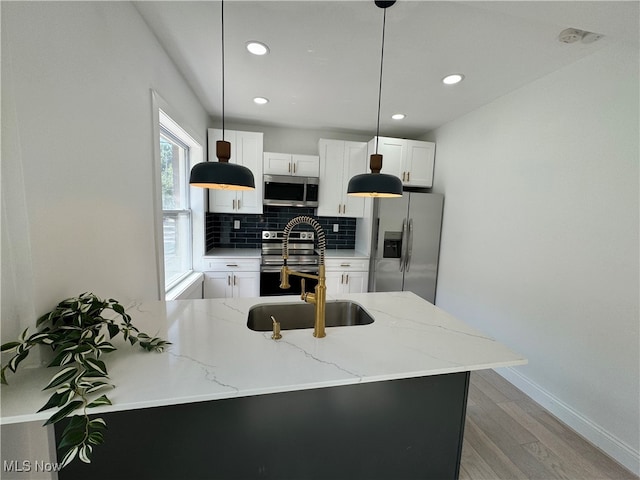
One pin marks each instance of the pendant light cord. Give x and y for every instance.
(384, 21)
(222, 29)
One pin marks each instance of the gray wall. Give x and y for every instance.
(540, 239)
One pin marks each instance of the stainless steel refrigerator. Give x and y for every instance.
(406, 244)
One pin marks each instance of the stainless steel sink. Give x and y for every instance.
(301, 315)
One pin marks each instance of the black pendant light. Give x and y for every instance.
(376, 184)
(222, 174)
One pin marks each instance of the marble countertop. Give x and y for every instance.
(215, 356)
(233, 253)
(255, 253)
(340, 253)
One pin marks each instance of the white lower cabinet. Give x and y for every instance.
(232, 278)
(347, 275)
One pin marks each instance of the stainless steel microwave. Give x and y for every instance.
(290, 191)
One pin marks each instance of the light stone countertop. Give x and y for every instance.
(352, 254)
(233, 253)
(214, 355)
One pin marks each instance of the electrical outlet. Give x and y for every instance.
(335, 227)
(236, 224)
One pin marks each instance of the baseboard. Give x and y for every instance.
(610, 444)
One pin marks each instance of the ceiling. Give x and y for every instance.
(323, 68)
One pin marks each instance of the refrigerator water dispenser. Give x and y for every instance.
(392, 247)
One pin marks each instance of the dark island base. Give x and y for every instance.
(399, 429)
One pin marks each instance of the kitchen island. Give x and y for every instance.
(227, 402)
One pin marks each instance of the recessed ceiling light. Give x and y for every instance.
(453, 79)
(398, 116)
(261, 100)
(257, 48)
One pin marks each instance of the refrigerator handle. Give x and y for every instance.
(403, 247)
(409, 245)
(374, 247)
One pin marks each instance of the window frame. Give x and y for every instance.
(163, 113)
(168, 132)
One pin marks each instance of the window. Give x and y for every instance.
(176, 211)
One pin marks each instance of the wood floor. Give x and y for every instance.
(509, 436)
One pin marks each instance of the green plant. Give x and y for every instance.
(77, 333)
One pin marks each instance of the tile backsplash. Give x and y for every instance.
(221, 234)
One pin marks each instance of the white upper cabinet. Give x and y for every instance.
(410, 160)
(291, 164)
(339, 161)
(246, 149)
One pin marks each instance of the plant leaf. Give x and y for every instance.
(113, 330)
(97, 365)
(13, 363)
(96, 438)
(61, 377)
(7, 347)
(97, 386)
(69, 456)
(103, 400)
(98, 424)
(40, 338)
(72, 437)
(23, 335)
(58, 400)
(85, 453)
(63, 412)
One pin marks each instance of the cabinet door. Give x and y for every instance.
(277, 163)
(355, 163)
(419, 163)
(246, 284)
(218, 284)
(306, 165)
(331, 175)
(356, 282)
(393, 152)
(249, 153)
(334, 282)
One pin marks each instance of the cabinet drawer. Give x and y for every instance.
(346, 264)
(232, 264)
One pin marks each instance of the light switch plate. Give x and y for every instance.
(236, 224)
(335, 227)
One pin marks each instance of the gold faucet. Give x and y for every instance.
(319, 297)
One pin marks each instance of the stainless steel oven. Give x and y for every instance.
(302, 258)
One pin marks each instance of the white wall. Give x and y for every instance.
(77, 151)
(303, 141)
(540, 239)
(77, 155)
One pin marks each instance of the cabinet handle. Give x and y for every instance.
(238, 204)
(289, 168)
(294, 168)
(232, 264)
(408, 176)
(345, 264)
(347, 278)
(229, 280)
(342, 279)
(234, 204)
(403, 176)
(234, 280)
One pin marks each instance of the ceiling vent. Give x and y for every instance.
(572, 35)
